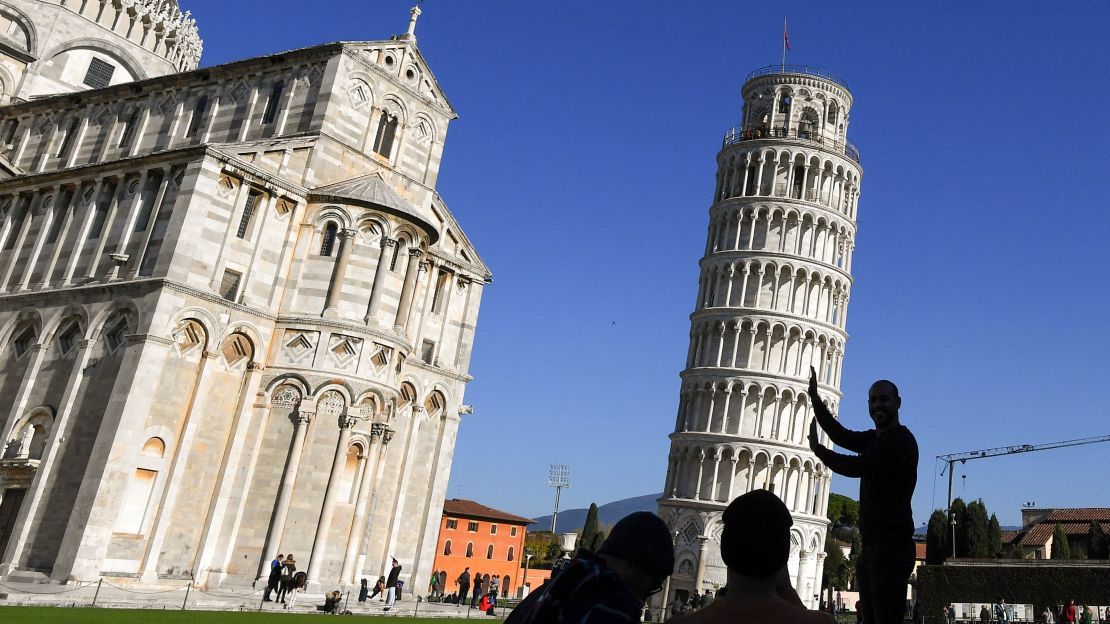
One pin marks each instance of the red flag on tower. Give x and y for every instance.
(785, 35)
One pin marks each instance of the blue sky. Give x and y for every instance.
(582, 167)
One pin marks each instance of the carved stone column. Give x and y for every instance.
(384, 257)
(370, 461)
(408, 289)
(281, 507)
(346, 242)
(320, 543)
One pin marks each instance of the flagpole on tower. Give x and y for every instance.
(785, 45)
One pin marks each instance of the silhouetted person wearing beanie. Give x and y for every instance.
(610, 586)
(886, 465)
(755, 546)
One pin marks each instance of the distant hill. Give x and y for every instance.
(608, 514)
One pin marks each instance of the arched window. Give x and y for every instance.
(326, 245)
(807, 125)
(505, 586)
(154, 447)
(447, 548)
(470, 549)
(784, 102)
(348, 478)
(489, 551)
(510, 553)
(133, 513)
(833, 114)
(272, 104)
(387, 132)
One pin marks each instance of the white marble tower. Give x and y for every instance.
(772, 301)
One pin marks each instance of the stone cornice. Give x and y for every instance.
(730, 314)
(710, 373)
(722, 257)
(354, 328)
(439, 371)
(814, 207)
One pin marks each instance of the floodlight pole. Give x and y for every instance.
(558, 478)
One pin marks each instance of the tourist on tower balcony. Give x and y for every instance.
(755, 546)
(610, 586)
(886, 465)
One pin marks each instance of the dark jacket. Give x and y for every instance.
(586, 592)
(394, 573)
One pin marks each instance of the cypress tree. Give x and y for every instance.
(588, 537)
(937, 547)
(994, 537)
(1097, 543)
(1060, 548)
(976, 520)
(958, 511)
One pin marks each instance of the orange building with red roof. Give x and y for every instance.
(488, 541)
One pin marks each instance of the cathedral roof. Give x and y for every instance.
(372, 191)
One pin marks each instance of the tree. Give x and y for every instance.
(1019, 551)
(835, 565)
(1098, 545)
(994, 537)
(843, 511)
(937, 547)
(589, 539)
(958, 511)
(975, 521)
(1060, 548)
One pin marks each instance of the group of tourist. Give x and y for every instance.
(483, 592)
(284, 580)
(1072, 613)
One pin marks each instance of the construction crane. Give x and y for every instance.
(963, 458)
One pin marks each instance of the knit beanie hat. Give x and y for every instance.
(756, 536)
(642, 538)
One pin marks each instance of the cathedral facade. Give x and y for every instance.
(236, 318)
(772, 302)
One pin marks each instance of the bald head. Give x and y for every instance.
(885, 385)
(883, 404)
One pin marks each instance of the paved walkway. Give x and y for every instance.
(111, 595)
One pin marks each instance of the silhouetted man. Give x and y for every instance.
(755, 546)
(886, 465)
(608, 587)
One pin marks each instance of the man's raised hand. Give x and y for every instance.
(814, 441)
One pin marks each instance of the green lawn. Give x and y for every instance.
(50, 615)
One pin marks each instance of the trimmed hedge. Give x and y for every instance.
(1031, 582)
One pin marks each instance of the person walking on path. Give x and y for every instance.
(391, 584)
(886, 465)
(755, 546)
(478, 583)
(609, 587)
(274, 578)
(363, 591)
(1069, 612)
(464, 585)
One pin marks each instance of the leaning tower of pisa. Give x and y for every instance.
(772, 301)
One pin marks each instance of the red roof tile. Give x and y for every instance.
(1079, 514)
(1008, 537)
(1039, 534)
(920, 550)
(471, 509)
